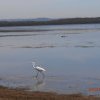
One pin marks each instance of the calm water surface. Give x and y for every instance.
(69, 53)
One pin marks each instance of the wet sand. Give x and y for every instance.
(20, 94)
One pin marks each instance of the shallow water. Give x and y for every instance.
(69, 53)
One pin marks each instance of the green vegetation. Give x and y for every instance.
(51, 22)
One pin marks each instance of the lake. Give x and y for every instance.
(69, 53)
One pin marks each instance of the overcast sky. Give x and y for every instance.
(11, 9)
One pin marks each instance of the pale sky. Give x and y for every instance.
(12, 9)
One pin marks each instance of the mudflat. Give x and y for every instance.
(19, 94)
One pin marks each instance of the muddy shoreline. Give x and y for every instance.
(20, 94)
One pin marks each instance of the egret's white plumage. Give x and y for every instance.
(38, 68)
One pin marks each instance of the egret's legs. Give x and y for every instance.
(37, 74)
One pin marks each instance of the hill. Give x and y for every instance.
(46, 21)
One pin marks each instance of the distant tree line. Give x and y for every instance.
(51, 22)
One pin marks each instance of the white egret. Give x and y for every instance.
(38, 68)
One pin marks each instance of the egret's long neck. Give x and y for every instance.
(33, 63)
(34, 66)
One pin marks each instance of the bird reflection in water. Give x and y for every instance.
(39, 83)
